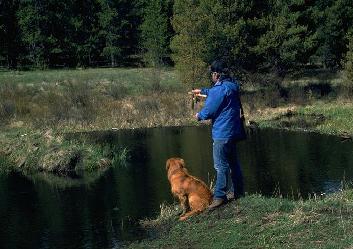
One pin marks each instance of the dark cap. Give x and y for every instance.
(219, 66)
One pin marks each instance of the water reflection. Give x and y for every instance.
(273, 161)
(99, 211)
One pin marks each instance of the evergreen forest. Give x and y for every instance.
(265, 36)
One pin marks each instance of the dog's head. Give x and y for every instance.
(175, 163)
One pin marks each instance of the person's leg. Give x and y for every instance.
(236, 173)
(221, 164)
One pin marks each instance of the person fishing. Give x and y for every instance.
(223, 108)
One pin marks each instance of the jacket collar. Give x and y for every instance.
(220, 81)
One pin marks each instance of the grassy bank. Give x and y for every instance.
(35, 104)
(258, 222)
(327, 117)
(33, 151)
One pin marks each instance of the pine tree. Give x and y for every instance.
(109, 31)
(84, 30)
(190, 45)
(333, 20)
(31, 23)
(288, 38)
(239, 25)
(348, 61)
(118, 30)
(154, 33)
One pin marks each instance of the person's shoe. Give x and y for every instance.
(216, 203)
(230, 196)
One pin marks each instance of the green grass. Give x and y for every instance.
(339, 116)
(327, 117)
(46, 151)
(135, 79)
(306, 77)
(259, 222)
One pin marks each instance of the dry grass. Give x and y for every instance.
(128, 98)
(83, 104)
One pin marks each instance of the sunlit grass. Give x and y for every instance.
(259, 222)
(34, 150)
(92, 98)
(339, 116)
(136, 79)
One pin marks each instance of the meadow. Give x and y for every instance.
(88, 99)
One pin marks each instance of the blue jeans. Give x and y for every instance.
(226, 163)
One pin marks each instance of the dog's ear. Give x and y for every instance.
(182, 162)
(176, 161)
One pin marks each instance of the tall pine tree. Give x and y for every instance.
(190, 45)
(288, 38)
(31, 21)
(154, 33)
(109, 30)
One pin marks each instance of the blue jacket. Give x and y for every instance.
(222, 106)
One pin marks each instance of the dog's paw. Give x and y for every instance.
(182, 218)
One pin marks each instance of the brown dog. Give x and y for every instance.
(193, 194)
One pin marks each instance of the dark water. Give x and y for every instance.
(100, 211)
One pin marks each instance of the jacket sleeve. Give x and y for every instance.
(213, 102)
(204, 91)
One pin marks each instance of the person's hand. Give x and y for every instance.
(196, 91)
(197, 116)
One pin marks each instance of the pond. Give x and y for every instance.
(44, 211)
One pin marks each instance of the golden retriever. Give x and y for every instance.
(193, 194)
